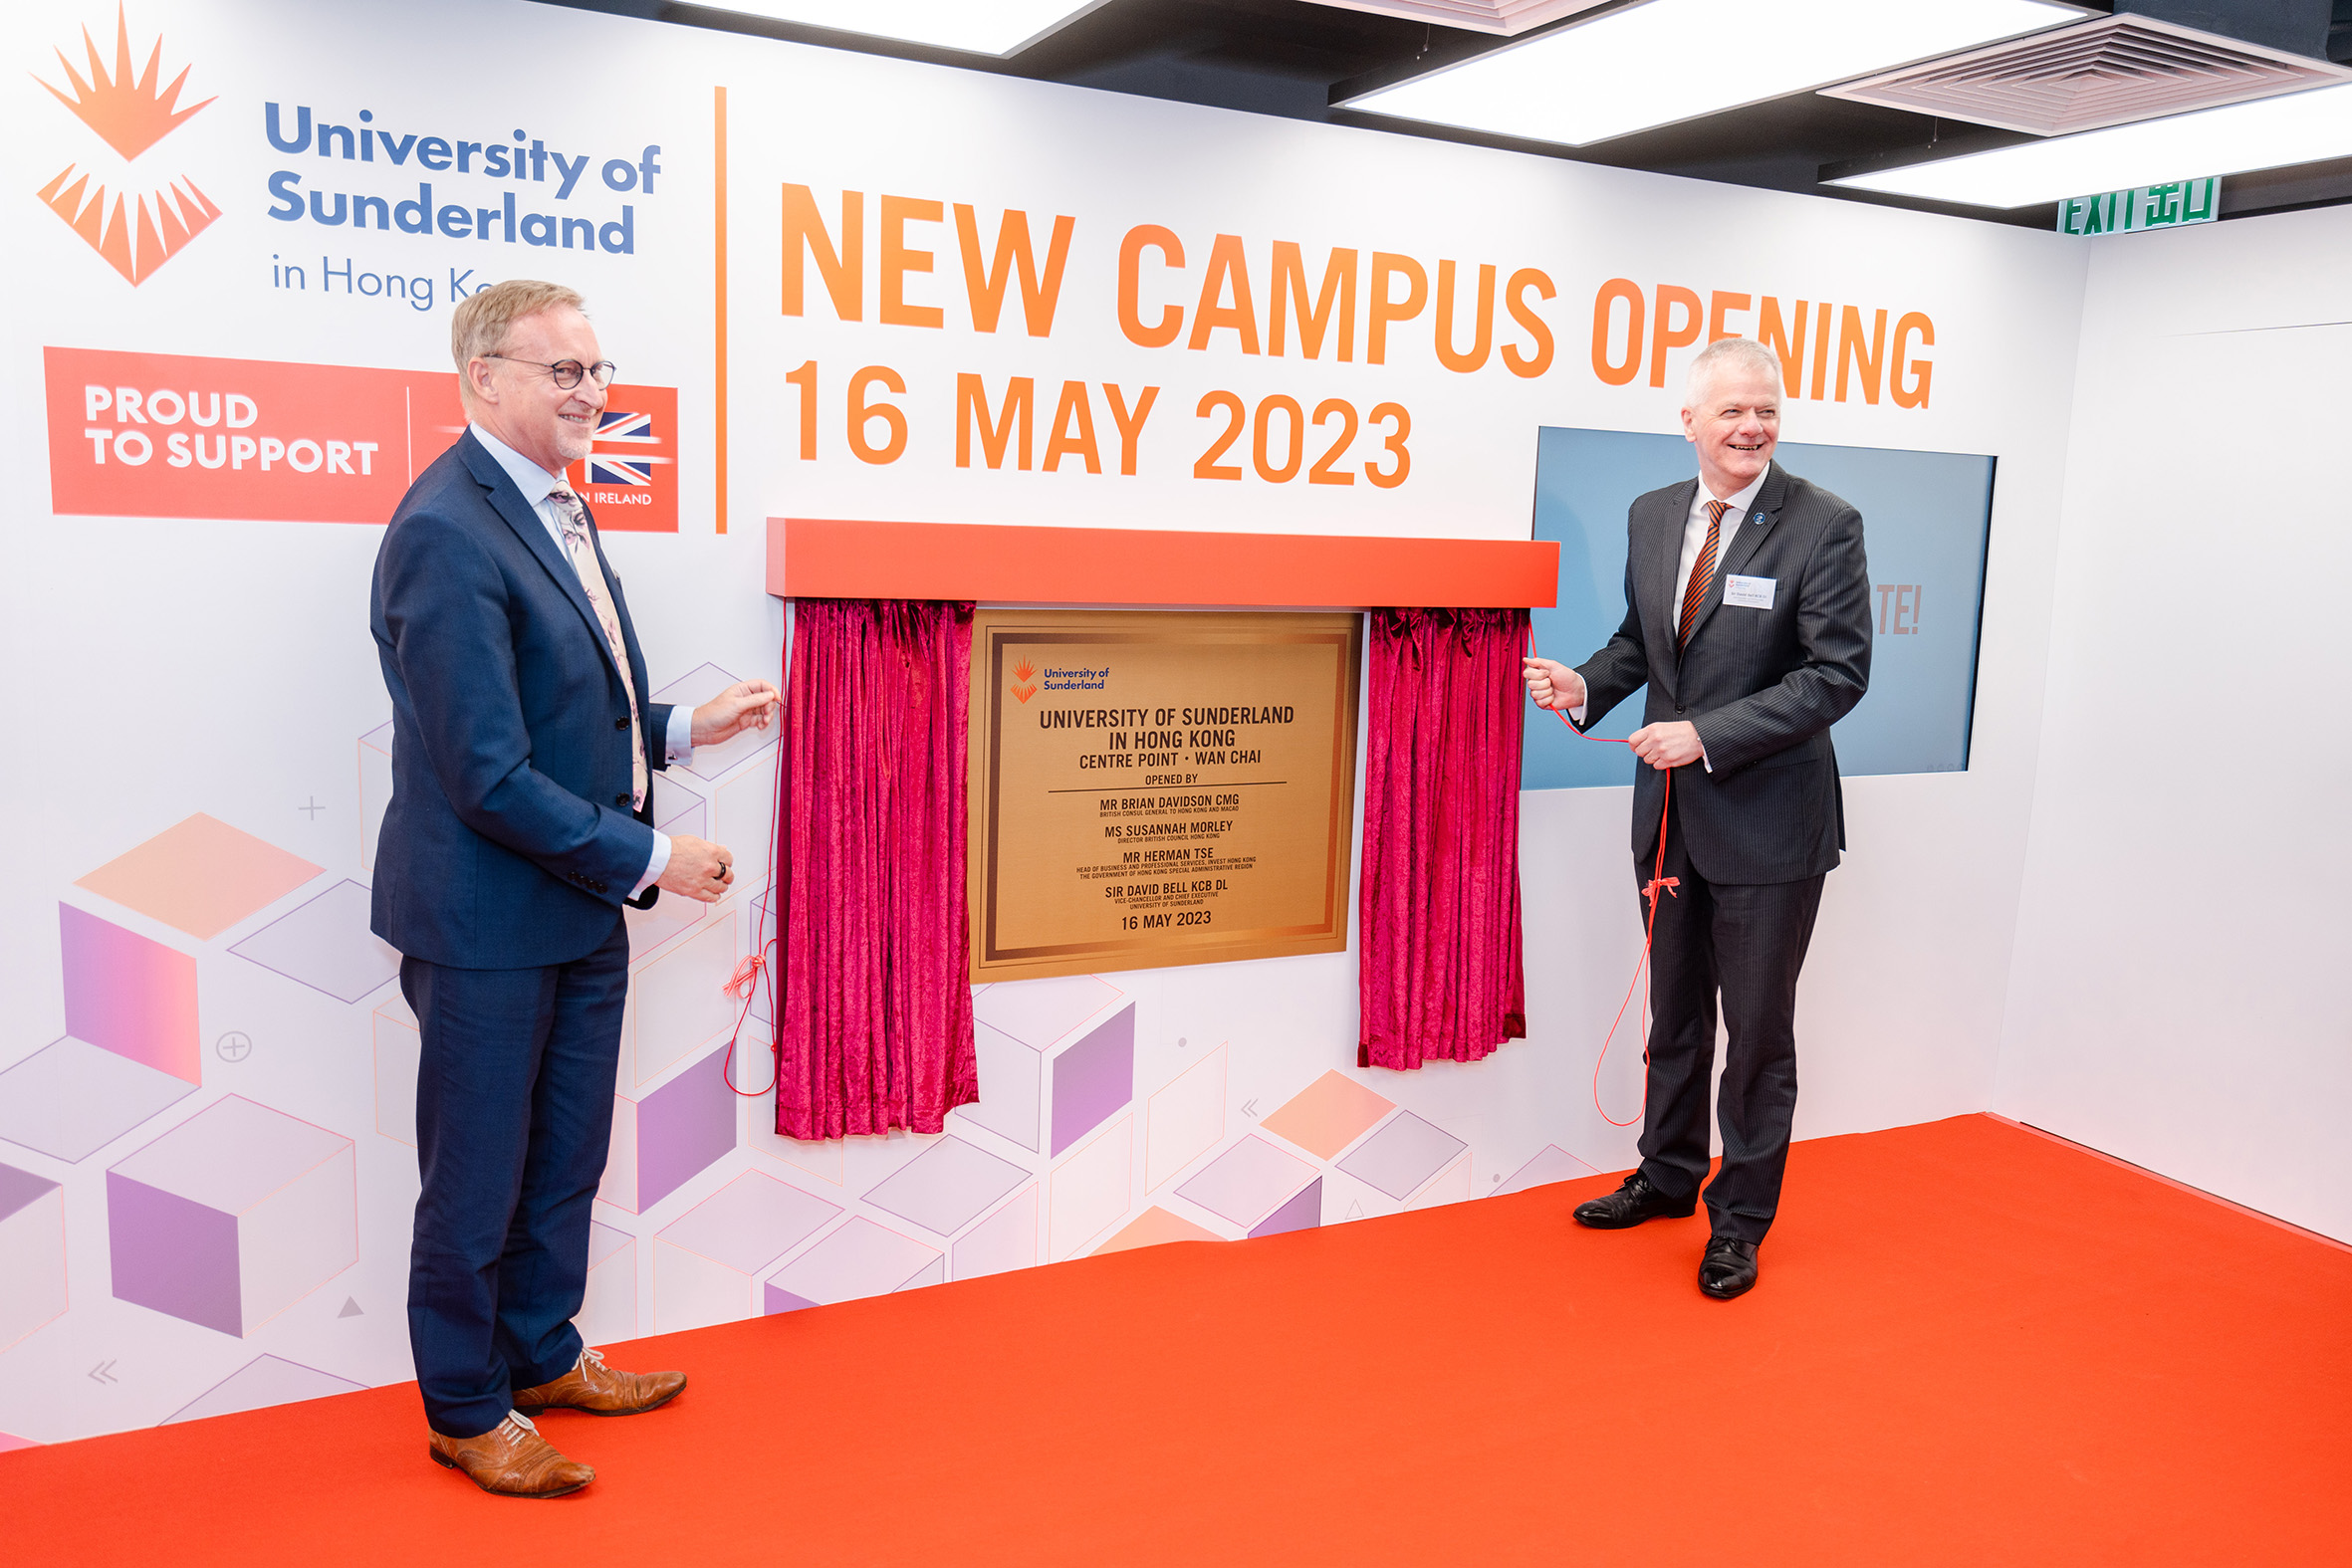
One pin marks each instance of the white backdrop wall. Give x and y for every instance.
(2178, 994)
(204, 765)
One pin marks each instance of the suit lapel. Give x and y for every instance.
(1747, 536)
(1661, 577)
(520, 515)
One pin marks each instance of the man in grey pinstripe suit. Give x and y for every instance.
(1747, 621)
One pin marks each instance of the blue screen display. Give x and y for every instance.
(1925, 520)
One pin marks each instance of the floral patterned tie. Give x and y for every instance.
(592, 579)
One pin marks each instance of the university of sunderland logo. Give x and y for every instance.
(1023, 674)
(135, 230)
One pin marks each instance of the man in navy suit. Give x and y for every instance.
(1747, 668)
(520, 823)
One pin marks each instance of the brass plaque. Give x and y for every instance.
(1153, 787)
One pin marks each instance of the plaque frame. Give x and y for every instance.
(997, 631)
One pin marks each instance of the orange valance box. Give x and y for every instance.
(1003, 563)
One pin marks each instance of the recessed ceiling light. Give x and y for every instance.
(980, 27)
(1663, 61)
(2300, 127)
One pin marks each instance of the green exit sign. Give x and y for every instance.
(2142, 207)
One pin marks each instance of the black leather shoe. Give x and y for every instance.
(1728, 1270)
(1631, 1203)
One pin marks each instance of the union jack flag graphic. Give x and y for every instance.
(623, 468)
(631, 474)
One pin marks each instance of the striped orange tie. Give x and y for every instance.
(1701, 570)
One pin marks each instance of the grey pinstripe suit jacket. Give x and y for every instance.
(1763, 686)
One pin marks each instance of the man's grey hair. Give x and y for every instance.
(478, 327)
(1729, 354)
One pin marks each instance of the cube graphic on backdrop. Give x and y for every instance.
(679, 809)
(1036, 1012)
(663, 1140)
(325, 943)
(232, 1216)
(127, 995)
(1011, 1076)
(609, 1311)
(743, 818)
(1090, 1190)
(32, 1252)
(200, 876)
(1302, 1211)
(1247, 1182)
(1005, 1240)
(859, 1258)
(1402, 1155)
(1155, 1226)
(1185, 1120)
(1551, 1164)
(1329, 1114)
(947, 1185)
(696, 687)
(1094, 1079)
(71, 1099)
(679, 1001)
(262, 1382)
(706, 1260)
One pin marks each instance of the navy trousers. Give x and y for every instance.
(514, 1115)
(1745, 942)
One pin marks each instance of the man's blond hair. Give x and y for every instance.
(480, 324)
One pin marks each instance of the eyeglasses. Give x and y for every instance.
(566, 371)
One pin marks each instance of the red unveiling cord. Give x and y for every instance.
(758, 966)
(1650, 890)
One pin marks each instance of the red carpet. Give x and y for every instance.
(1972, 1345)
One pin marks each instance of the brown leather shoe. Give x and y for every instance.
(601, 1391)
(511, 1459)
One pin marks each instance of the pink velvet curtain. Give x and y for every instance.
(876, 1005)
(1438, 902)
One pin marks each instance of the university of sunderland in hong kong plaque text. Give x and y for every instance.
(1153, 787)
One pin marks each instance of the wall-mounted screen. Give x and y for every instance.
(1925, 517)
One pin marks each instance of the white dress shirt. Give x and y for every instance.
(537, 483)
(1694, 540)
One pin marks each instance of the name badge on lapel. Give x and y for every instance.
(1748, 592)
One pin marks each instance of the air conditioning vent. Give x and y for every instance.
(2080, 77)
(1507, 17)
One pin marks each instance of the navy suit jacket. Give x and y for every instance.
(509, 842)
(1762, 686)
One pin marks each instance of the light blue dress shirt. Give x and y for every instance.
(537, 483)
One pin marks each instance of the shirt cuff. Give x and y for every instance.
(1577, 714)
(655, 866)
(678, 742)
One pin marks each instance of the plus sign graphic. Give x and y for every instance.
(314, 808)
(235, 1045)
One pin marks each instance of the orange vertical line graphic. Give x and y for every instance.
(719, 295)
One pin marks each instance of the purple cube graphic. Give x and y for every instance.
(232, 1216)
(32, 1252)
(665, 1138)
(1303, 1212)
(1094, 1079)
(1251, 1183)
(127, 995)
